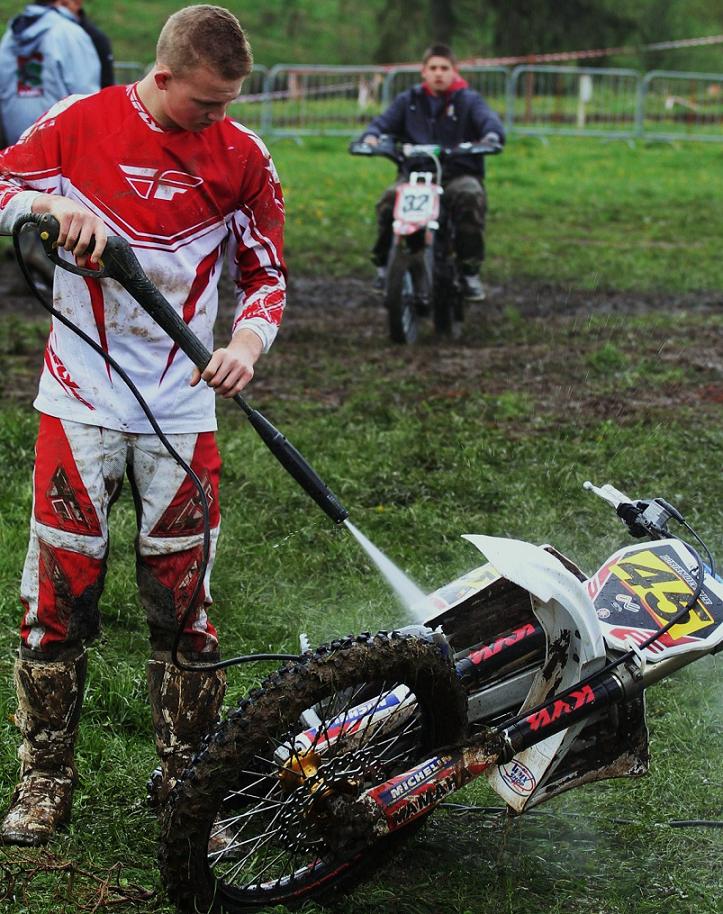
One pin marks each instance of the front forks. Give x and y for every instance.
(400, 800)
(405, 797)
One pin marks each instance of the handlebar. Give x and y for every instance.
(120, 263)
(643, 518)
(649, 517)
(398, 152)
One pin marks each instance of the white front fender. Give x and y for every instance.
(575, 648)
(545, 577)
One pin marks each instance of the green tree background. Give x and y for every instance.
(391, 31)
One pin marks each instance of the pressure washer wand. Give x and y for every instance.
(120, 263)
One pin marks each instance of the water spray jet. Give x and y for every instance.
(414, 600)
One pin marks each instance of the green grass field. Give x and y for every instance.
(495, 435)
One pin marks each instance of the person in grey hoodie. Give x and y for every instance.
(45, 55)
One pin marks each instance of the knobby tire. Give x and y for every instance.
(447, 302)
(237, 777)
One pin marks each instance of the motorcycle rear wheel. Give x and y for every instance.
(447, 301)
(281, 848)
(399, 297)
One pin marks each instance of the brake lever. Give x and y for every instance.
(642, 518)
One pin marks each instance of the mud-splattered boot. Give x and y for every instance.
(50, 695)
(185, 706)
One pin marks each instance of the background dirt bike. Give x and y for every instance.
(527, 672)
(421, 270)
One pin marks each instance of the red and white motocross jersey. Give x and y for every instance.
(185, 202)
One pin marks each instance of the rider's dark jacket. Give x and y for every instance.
(461, 115)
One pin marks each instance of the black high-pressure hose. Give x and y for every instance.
(120, 263)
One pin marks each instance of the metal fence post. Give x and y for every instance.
(267, 113)
(640, 108)
(304, 100)
(510, 100)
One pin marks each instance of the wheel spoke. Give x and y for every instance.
(332, 713)
(223, 824)
(257, 841)
(389, 743)
(269, 827)
(269, 865)
(371, 714)
(384, 723)
(238, 866)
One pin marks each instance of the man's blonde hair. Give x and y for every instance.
(204, 35)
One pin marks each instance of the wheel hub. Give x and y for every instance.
(323, 807)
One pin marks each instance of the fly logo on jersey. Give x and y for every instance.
(154, 184)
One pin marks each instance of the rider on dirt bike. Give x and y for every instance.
(443, 109)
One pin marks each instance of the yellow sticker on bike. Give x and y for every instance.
(664, 587)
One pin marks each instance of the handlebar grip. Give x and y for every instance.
(360, 148)
(480, 149)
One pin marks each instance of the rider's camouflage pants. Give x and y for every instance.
(465, 200)
(79, 471)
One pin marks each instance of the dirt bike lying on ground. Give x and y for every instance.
(527, 672)
(421, 268)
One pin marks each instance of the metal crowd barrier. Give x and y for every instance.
(681, 106)
(300, 100)
(573, 101)
(320, 100)
(129, 71)
(249, 106)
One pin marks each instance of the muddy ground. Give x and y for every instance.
(534, 339)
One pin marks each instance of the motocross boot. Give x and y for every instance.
(472, 287)
(185, 706)
(50, 694)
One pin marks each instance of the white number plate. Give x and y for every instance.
(417, 203)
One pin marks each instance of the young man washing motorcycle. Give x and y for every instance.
(158, 163)
(444, 110)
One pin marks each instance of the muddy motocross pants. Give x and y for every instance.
(79, 471)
